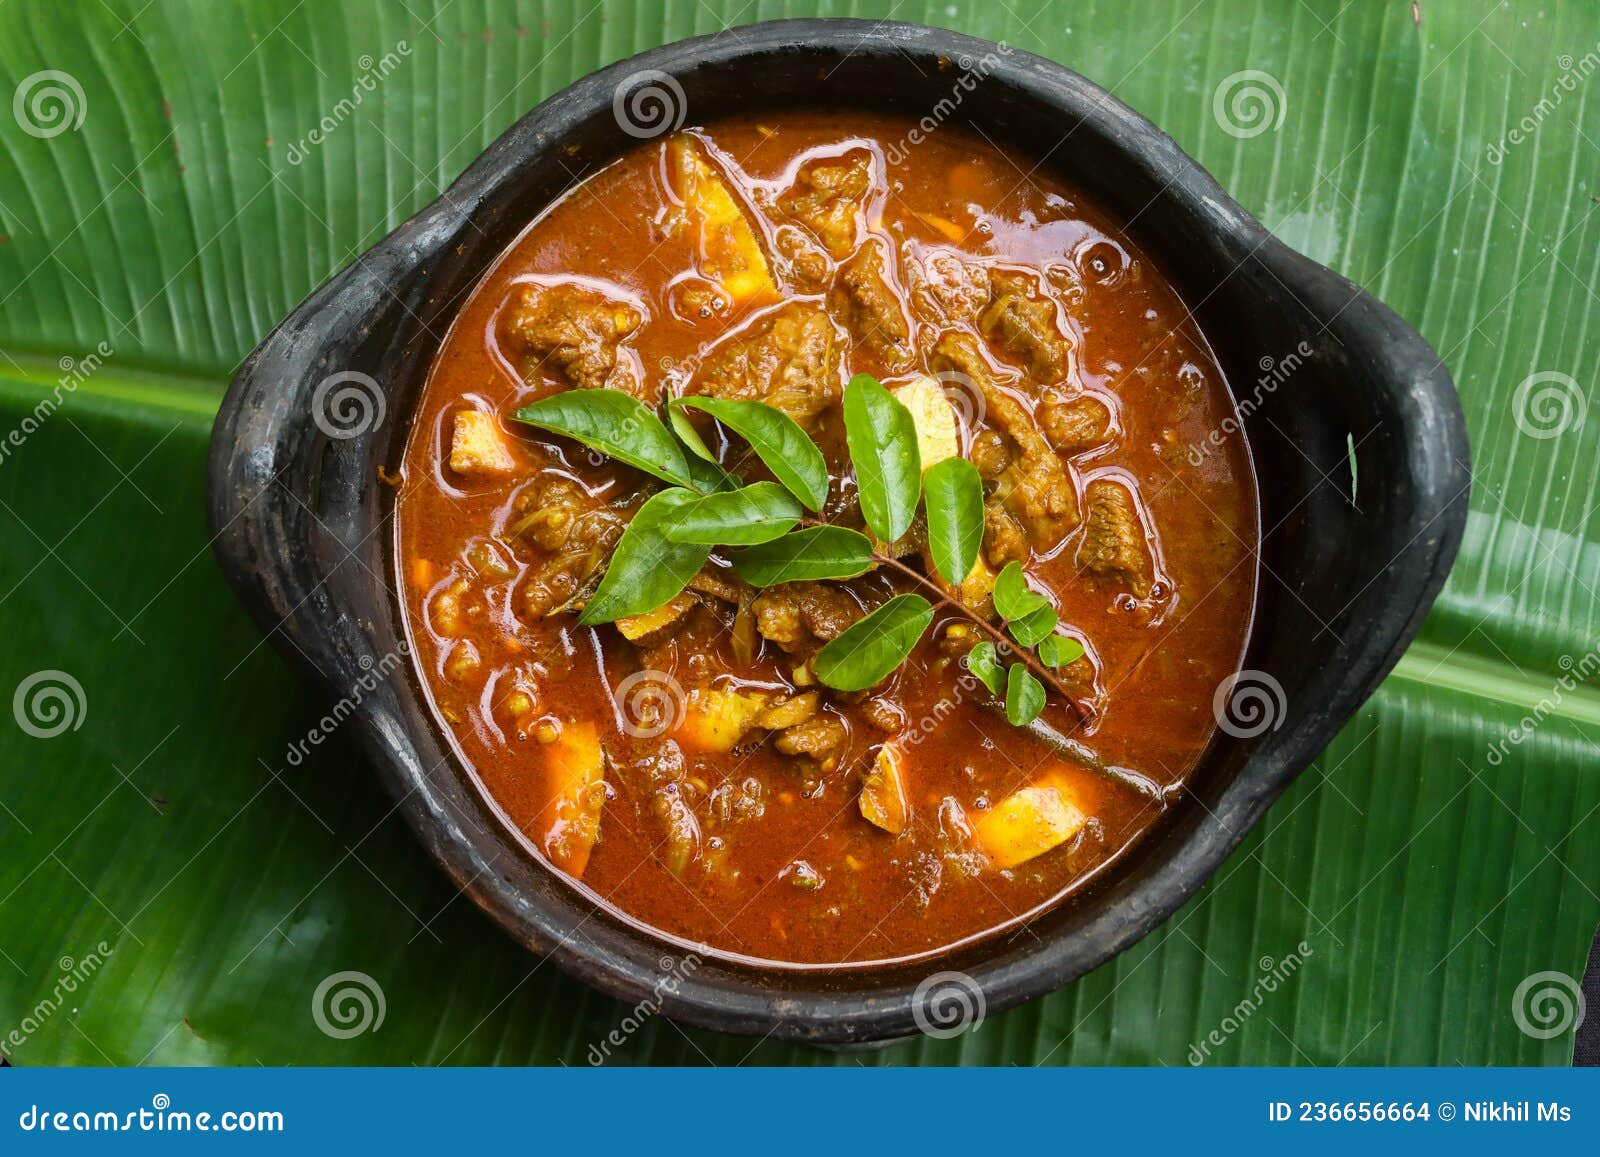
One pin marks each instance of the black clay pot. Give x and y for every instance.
(303, 530)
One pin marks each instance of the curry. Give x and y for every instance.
(800, 544)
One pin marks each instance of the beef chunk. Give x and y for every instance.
(1076, 425)
(797, 616)
(802, 259)
(946, 289)
(1034, 489)
(869, 308)
(571, 331)
(828, 198)
(789, 359)
(1025, 326)
(1113, 544)
(990, 454)
(1004, 540)
(821, 739)
(572, 534)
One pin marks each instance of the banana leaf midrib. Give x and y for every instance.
(31, 377)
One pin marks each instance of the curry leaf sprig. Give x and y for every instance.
(706, 507)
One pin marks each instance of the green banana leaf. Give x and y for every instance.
(174, 889)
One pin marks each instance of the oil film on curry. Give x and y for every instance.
(702, 763)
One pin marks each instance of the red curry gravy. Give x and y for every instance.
(948, 259)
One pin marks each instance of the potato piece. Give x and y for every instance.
(648, 628)
(715, 719)
(477, 447)
(1028, 823)
(730, 253)
(978, 587)
(934, 417)
(575, 779)
(938, 438)
(883, 791)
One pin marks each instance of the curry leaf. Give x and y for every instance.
(756, 513)
(704, 469)
(647, 568)
(616, 424)
(815, 554)
(687, 434)
(1034, 627)
(1013, 598)
(777, 439)
(1024, 696)
(1058, 651)
(985, 667)
(882, 437)
(955, 517)
(1029, 616)
(869, 649)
